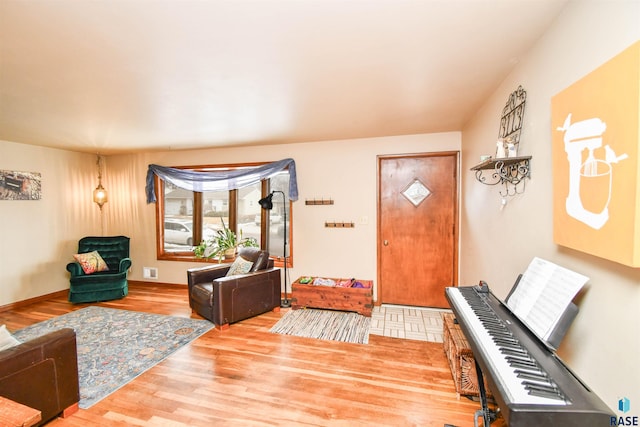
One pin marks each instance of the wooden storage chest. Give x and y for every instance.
(460, 356)
(359, 300)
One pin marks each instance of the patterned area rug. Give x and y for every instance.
(115, 346)
(325, 324)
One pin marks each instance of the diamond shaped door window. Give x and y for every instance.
(416, 192)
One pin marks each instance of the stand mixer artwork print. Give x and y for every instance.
(589, 182)
(595, 139)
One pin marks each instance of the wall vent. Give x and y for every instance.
(150, 273)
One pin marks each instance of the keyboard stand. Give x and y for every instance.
(488, 415)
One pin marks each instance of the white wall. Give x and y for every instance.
(39, 237)
(603, 344)
(345, 171)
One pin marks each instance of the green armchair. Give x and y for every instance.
(104, 285)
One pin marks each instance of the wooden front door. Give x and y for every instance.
(417, 228)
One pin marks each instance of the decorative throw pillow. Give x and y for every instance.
(6, 339)
(91, 262)
(239, 266)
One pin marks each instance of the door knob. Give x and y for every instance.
(386, 243)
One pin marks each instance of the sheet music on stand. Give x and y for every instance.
(543, 294)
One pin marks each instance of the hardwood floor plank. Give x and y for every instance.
(248, 376)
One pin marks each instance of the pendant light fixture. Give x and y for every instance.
(100, 195)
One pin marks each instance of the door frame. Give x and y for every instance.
(456, 213)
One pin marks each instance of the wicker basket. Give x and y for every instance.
(460, 356)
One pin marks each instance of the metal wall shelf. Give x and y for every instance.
(509, 171)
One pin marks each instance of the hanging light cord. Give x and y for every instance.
(99, 164)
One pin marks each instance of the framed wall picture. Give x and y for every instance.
(16, 185)
(595, 139)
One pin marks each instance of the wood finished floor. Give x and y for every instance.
(246, 376)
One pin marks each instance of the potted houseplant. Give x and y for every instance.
(223, 245)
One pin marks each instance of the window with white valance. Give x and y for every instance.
(193, 202)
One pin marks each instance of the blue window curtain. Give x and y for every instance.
(220, 180)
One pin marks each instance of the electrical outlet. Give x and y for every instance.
(149, 272)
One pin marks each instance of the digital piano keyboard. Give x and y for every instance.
(531, 385)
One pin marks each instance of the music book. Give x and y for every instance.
(543, 295)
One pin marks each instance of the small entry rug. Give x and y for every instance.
(324, 324)
(115, 346)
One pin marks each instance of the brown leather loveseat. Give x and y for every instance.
(226, 299)
(43, 374)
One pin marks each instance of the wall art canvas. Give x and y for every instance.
(20, 185)
(595, 139)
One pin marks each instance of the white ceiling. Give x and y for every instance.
(115, 76)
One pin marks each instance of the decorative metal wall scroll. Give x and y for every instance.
(511, 123)
(507, 168)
